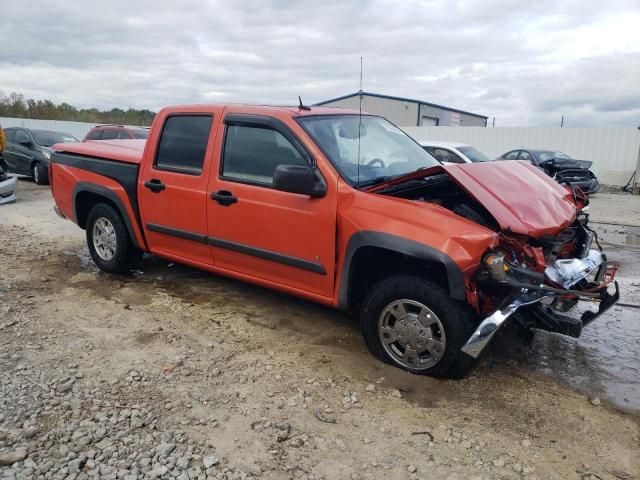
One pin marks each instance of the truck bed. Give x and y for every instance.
(127, 151)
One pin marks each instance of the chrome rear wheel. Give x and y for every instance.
(104, 239)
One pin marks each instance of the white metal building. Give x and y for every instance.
(407, 112)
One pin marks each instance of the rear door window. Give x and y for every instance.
(183, 143)
(123, 134)
(21, 136)
(525, 156)
(512, 155)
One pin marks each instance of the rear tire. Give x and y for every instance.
(40, 174)
(108, 240)
(413, 324)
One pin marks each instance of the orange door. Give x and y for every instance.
(172, 188)
(257, 230)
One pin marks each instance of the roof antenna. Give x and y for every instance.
(302, 106)
(359, 127)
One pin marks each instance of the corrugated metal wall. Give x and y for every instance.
(77, 129)
(400, 113)
(613, 151)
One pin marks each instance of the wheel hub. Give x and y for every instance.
(104, 238)
(412, 334)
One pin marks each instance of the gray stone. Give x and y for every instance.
(30, 432)
(158, 471)
(13, 456)
(76, 465)
(209, 461)
(165, 449)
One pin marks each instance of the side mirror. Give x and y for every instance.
(26, 143)
(298, 179)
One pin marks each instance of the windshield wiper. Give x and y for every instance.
(379, 180)
(375, 181)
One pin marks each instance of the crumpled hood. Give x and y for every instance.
(558, 164)
(520, 196)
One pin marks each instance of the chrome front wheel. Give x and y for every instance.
(411, 334)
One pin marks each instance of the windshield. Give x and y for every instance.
(45, 138)
(140, 132)
(384, 150)
(474, 154)
(544, 156)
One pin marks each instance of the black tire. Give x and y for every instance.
(125, 252)
(456, 319)
(40, 174)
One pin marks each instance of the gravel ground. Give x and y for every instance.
(175, 373)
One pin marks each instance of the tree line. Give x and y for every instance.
(17, 106)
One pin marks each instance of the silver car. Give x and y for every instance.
(7, 188)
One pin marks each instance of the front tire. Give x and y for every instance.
(40, 174)
(413, 324)
(108, 240)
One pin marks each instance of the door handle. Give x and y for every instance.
(155, 185)
(224, 198)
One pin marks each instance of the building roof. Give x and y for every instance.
(401, 99)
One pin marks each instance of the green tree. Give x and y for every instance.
(15, 105)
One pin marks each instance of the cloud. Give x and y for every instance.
(525, 64)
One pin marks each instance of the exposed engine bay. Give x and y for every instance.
(441, 190)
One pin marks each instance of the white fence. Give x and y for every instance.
(615, 152)
(77, 129)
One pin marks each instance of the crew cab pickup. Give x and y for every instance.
(346, 210)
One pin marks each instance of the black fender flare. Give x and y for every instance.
(365, 238)
(111, 196)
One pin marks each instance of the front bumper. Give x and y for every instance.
(587, 186)
(8, 190)
(529, 297)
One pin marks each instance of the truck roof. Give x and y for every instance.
(290, 110)
(131, 151)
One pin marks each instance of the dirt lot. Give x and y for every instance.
(172, 372)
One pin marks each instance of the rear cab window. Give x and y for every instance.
(109, 134)
(183, 143)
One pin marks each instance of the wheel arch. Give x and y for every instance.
(393, 254)
(86, 195)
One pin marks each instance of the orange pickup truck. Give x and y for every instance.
(346, 210)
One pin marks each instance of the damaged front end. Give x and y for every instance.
(538, 280)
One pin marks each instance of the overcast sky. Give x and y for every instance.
(526, 63)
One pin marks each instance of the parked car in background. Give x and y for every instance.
(453, 152)
(559, 166)
(7, 187)
(28, 151)
(113, 132)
